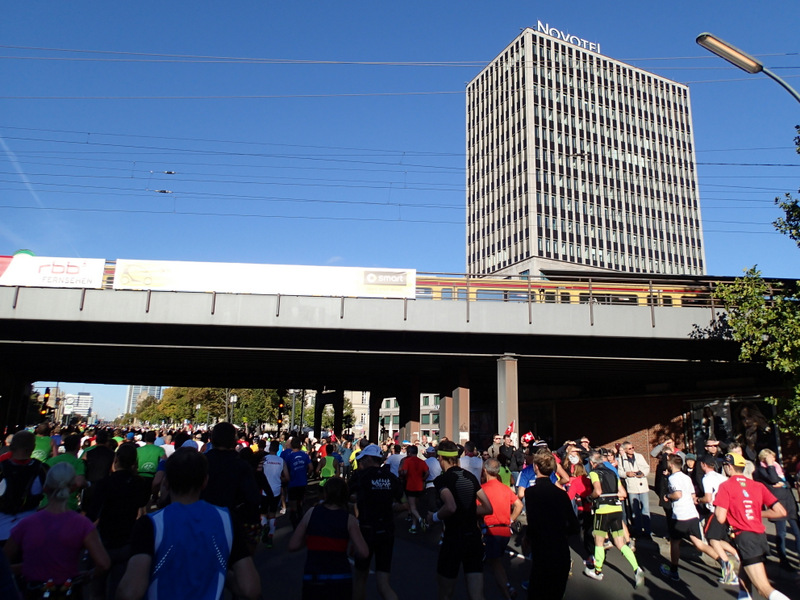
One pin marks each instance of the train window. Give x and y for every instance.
(517, 296)
(583, 298)
(461, 293)
(447, 293)
(667, 300)
(565, 299)
(652, 300)
(489, 294)
(550, 297)
(624, 299)
(425, 293)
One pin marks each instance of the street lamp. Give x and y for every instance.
(234, 398)
(741, 59)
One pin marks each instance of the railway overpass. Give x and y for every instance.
(495, 356)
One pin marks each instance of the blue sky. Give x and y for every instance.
(333, 133)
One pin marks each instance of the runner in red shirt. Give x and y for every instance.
(739, 503)
(497, 526)
(413, 472)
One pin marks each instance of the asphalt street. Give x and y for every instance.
(414, 571)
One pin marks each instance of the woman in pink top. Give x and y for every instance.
(46, 546)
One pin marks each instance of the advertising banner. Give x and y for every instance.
(245, 278)
(48, 271)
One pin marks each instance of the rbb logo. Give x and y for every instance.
(61, 269)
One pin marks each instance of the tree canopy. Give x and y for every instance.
(764, 317)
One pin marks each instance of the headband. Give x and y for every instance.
(447, 454)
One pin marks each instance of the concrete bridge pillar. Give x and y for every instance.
(376, 397)
(507, 396)
(409, 411)
(14, 395)
(454, 416)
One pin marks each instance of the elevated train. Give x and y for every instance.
(557, 287)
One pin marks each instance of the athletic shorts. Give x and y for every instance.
(495, 545)
(269, 503)
(296, 494)
(752, 547)
(684, 529)
(381, 546)
(417, 494)
(460, 549)
(715, 530)
(608, 523)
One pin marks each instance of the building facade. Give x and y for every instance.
(136, 393)
(79, 404)
(389, 418)
(577, 160)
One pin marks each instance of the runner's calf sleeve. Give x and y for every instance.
(630, 556)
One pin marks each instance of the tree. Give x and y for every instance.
(764, 318)
(148, 410)
(348, 417)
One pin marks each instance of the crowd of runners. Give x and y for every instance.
(125, 514)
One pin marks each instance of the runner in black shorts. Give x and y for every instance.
(376, 493)
(461, 542)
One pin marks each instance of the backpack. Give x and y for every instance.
(17, 491)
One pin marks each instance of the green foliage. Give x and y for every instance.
(349, 415)
(789, 224)
(179, 404)
(764, 318)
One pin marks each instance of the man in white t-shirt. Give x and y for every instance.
(394, 460)
(716, 532)
(685, 521)
(471, 461)
(273, 471)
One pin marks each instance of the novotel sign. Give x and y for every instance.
(566, 37)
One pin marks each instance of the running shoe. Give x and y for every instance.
(638, 578)
(524, 585)
(593, 574)
(412, 529)
(667, 571)
(423, 525)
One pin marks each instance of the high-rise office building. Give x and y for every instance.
(137, 392)
(578, 161)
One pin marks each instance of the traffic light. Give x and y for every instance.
(46, 395)
(280, 413)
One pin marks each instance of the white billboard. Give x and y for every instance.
(246, 278)
(48, 271)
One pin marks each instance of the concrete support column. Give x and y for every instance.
(319, 406)
(376, 397)
(454, 415)
(409, 411)
(337, 399)
(507, 396)
(14, 395)
(446, 429)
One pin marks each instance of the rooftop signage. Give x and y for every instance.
(566, 37)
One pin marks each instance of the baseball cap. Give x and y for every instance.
(430, 450)
(190, 444)
(737, 460)
(131, 435)
(691, 456)
(370, 450)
